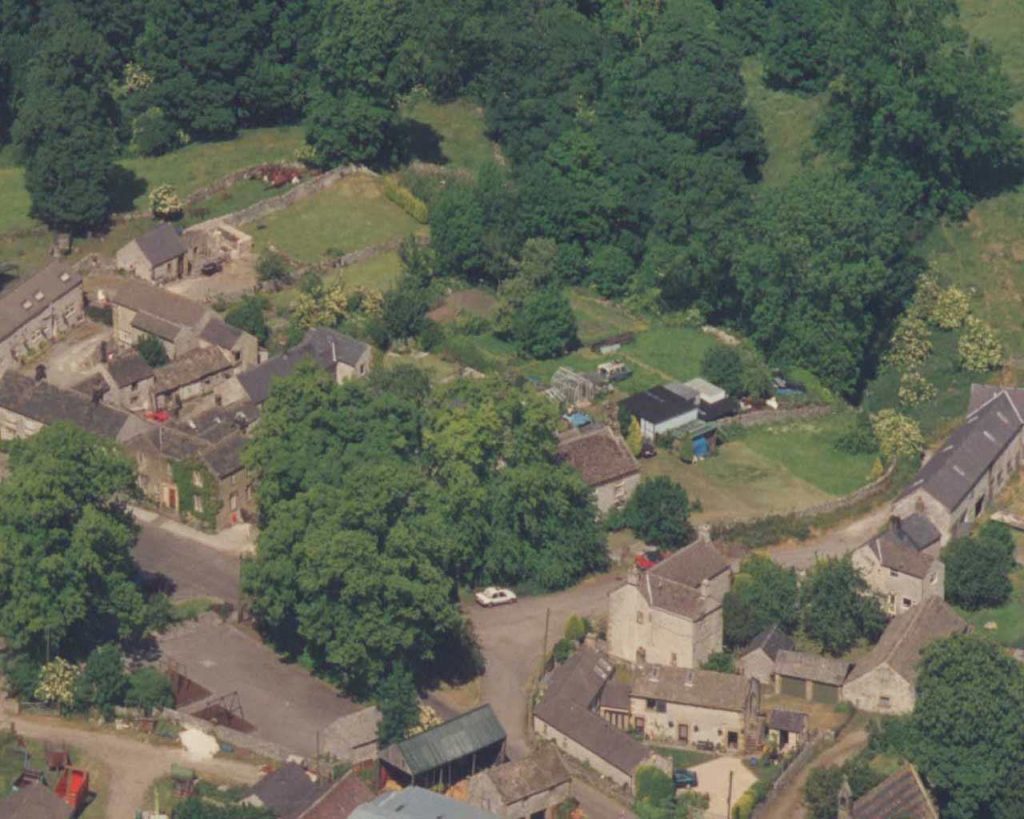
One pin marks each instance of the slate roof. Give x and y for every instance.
(572, 687)
(34, 802)
(780, 719)
(981, 394)
(343, 797)
(225, 458)
(457, 738)
(325, 347)
(599, 455)
(692, 564)
(156, 326)
(219, 332)
(53, 281)
(919, 531)
(814, 667)
(286, 791)
(161, 244)
(771, 641)
(969, 452)
(217, 423)
(690, 686)
(143, 297)
(899, 556)
(170, 443)
(418, 803)
(907, 635)
(658, 404)
(541, 771)
(615, 695)
(900, 796)
(129, 369)
(191, 367)
(48, 404)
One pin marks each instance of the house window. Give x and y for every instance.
(656, 705)
(197, 480)
(884, 702)
(238, 356)
(675, 660)
(639, 722)
(640, 617)
(893, 573)
(979, 506)
(197, 504)
(907, 602)
(135, 387)
(233, 501)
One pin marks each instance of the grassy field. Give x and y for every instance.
(1000, 23)
(458, 125)
(806, 449)
(1009, 618)
(240, 195)
(352, 214)
(599, 318)
(14, 204)
(379, 273)
(788, 121)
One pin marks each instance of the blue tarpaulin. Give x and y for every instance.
(578, 419)
(700, 447)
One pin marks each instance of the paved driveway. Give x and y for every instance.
(285, 703)
(186, 567)
(713, 779)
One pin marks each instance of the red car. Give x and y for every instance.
(645, 560)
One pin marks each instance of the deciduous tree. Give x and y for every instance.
(836, 608)
(659, 512)
(978, 567)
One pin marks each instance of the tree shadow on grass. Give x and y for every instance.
(125, 187)
(413, 140)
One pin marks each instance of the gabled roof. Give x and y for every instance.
(897, 554)
(218, 332)
(161, 244)
(418, 803)
(325, 347)
(459, 737)
(692, 564)
(156, 326)
(193, 366)
(286, 791)
(141, 296)
(541, 771)
(691, 686)
(169, 443)
(780, 719)
(34, 802)
(22, 301)
(771, 641)
(813, 667)
(598, 454)
(225, 457)
(969, 452)
(658, 404)
(217, 423)
(48, 404)
(341, 799)
(981, 394)
(130, 368)
(919, 531)
(900, 796)
(906, 637)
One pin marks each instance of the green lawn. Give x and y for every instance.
(672, 353)
(806, 450)
(599, 318)
(352, 214)
(460, 128)
(1001, 24)
(378, 273)
(238, 196)
(14, 203)
(683, 757)
(1009, 618)
(788, 120)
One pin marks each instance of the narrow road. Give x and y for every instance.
(789, 804)
(132, 765)
(833, 543)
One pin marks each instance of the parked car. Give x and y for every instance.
(210, 268)
(493, 596)
(647, 559)
(684, 778)
(647, 450)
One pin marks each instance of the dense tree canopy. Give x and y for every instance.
(763, 594)
(380, 496)
(658, 512)
(835, 607)
(67, 576)
(978, 567)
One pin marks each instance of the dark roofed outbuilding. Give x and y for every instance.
(161, 244)
(287, 791)
(448, 752)
(34, 802)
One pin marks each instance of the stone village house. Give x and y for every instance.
(898, 567)
(157, 256)
(525, 789)
(37, 310)
(603, 461)
(125, 381)
(671, 614)
(757, 660)
(810, 676)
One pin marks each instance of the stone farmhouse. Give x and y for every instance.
(567, 716)
(974, 464)
(533, 786)
(758, 659)
(883, 681)
(898, 567)
(37, 310)
(671, 614)
(182, 325)
(690, 705)
(340, 355)
(27, 405)
(157, 256)
(191, 376)
(603, 461)
(125, 381)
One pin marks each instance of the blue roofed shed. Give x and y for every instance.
(448, 752)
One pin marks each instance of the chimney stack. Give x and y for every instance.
(896, 525)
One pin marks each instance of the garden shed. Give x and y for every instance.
(447, 753)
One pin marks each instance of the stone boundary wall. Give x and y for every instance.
(760, 418)
(233, 178)
(296, 194)
(797, 763)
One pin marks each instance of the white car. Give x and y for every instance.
(492, 596)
